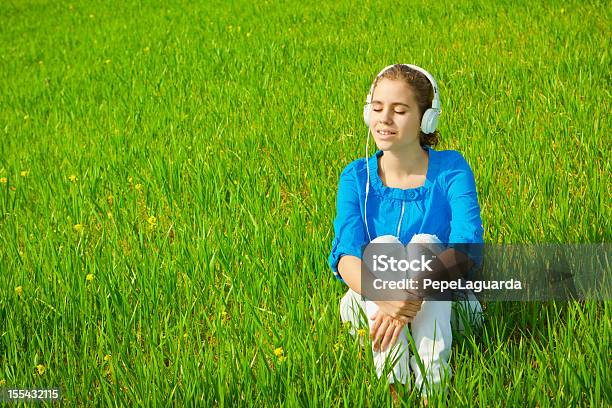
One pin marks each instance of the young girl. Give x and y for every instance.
(406, 192)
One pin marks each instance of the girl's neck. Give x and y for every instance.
(401, 164)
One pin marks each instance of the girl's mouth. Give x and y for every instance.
(385, 133)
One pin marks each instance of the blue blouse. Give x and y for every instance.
(445, 206)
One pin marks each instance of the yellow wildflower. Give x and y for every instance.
(78, 227)
(107, 61)
(24, 173)
(280, 354)
(89, 277)
(152, 222)
(2, 382)
(40, 368)
(130, 180)
(107, 357)
(138, 187)
(19, 291)
(361, 332)
(72, 178)
(110, 199)
(109, 215)
(3, 180)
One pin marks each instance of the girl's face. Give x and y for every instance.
(395, 120)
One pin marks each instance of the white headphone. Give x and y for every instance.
(430, 117)
(428, 125)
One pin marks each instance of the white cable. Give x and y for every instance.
(367, 190)
(365, 204)
(399, 224)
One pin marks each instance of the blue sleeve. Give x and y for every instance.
(349, 230)
(466, 225)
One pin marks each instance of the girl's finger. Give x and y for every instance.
(379, 334)
(397, 330)
(375, 326)
(388, 337)
(396, 333)
(380, 318)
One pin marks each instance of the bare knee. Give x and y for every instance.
(386, 239)
(425, 239)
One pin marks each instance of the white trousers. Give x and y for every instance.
(431, 332)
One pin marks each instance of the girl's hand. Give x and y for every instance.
(385, 330)
(400, 309)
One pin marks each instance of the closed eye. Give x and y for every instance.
(397, 112)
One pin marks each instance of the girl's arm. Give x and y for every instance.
(349, 268)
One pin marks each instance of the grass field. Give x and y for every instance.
(168, 175)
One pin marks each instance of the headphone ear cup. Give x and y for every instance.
(367, 108)
(429, 121)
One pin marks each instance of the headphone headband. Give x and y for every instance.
(435, 104)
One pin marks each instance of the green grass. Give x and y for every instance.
(229, 122)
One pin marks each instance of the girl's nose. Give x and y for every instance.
(386, 116)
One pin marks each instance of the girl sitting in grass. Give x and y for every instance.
(406, 192)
